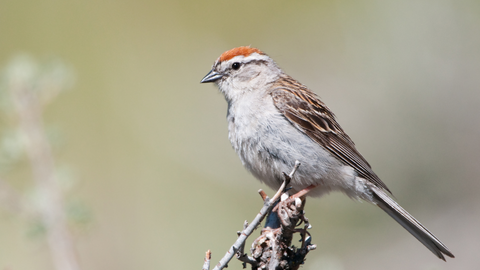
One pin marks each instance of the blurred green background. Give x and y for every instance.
(148, 143)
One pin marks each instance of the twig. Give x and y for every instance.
(241, 255)
(267, 207)
(206, 262)
(262, 194)
(241, 250)
(285, 183)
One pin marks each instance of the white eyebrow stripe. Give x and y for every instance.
(251, 57)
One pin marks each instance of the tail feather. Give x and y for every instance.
(408, 222)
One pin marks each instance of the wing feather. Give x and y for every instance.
(310, 115)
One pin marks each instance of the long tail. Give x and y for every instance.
(408, 222)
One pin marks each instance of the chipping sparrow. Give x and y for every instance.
(273, 120)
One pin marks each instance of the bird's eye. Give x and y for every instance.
(236, 65)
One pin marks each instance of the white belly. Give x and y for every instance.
(269, 145)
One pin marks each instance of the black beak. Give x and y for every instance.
(212, 76)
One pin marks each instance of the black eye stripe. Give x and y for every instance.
(237, 65)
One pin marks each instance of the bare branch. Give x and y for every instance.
(241, 256)
(277, 241)
(267, 206)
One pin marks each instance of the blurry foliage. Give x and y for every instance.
(43, 81)
(35, 229)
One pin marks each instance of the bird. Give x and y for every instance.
(274, 121)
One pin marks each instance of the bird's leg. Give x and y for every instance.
(302, 192)
(295, 196)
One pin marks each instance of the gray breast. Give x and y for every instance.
(268, 145)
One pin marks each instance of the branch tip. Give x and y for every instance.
(295, 168)
(262, 194)
(206, 261)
